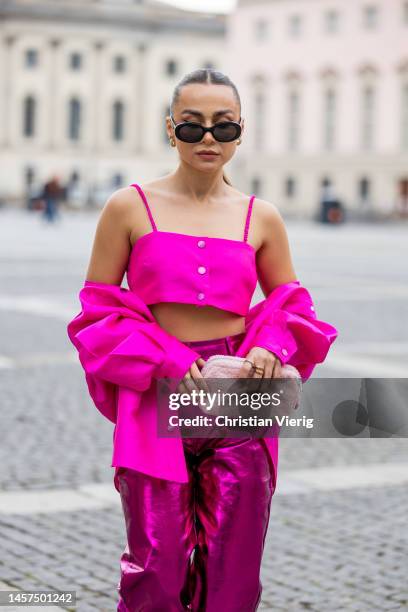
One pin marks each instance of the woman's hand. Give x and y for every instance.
(272, 368)
(261, 364)
(193, 378)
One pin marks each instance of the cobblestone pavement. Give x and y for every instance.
(337, 549)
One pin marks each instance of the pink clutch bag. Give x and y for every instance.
(228, 366)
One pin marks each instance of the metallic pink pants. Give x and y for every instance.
(198, 545)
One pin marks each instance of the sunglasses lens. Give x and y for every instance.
(223, 132)
(189, 132)
(226, 132)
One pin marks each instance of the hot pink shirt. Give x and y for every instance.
(123, 349)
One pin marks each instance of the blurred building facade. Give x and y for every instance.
(325, 85)
(86, 87)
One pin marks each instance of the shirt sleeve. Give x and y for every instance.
(120, 343)
(285, 323)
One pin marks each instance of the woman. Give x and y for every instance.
(194, 248)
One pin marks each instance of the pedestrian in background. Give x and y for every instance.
(331, 209)
(52, 194)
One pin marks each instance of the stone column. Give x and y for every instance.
(97, 99)
(52, 119)
(141, 96)
(8, 119)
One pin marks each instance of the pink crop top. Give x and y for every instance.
(173, 267)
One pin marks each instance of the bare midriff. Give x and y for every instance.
(188, 322)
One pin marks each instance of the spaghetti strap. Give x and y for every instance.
(248, 217)
(149, 212)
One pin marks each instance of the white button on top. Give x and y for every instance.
(201, 244)
(284, 351)
(201, 270)
(312, 308)
(201, 296)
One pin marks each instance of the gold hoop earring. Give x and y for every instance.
(239, 141)
(172, 142)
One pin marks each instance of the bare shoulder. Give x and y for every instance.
(266, 221)
(269, 218)
(267, 212)
(263, 210)
(122, 208)
(120, 200)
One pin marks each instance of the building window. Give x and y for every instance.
(330, 103)
(74, 178)
(29, 116)
(295, 25)
(367, 120)
(75, 61)
(118, 120)
(290, 187)
(370, 16)
(261, 29)
(259, 128)
(74, 119)
(29, 176)
(293, 121)
(166, 139)
(117, 180)
(403, 193)
(31, 58)
(256, 186)
(331, 22)
(119, 64)
(364, 189)
(404, 122)
(171, 67)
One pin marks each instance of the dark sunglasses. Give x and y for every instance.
(225, 131)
